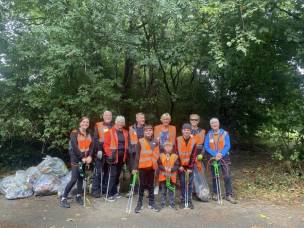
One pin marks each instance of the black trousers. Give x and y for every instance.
(146, 181)
(74, 178)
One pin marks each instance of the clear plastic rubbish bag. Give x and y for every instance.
(64, 181)
(16, 186)
(53, 165)
(32, 173)
(201, 185)
(46, 184)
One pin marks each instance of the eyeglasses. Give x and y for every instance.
(193, 119)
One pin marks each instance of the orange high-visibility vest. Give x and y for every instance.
(184, 150)
(133, 136)
(217, 143)
(172, 132)
(168, 162)
(84, 141)
(148, 157)
(200, 137)
(111, 143)
(101, 129)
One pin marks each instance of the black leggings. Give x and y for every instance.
(75, 178)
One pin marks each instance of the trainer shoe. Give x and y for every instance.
(231, 199)
(110, 199)
(79, 200)
(64, 203)
(172, 206)
(154, 207)
(190, 205)
(117, 196)
(138, 208)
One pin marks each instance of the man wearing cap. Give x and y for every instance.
(186, 149)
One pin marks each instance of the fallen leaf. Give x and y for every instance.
(263, 216)
(69, 220)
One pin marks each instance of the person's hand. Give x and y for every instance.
(89, 160)
(181, 169)
(134, 171)
(99, 154)
(189, 171)
(218, 156)
(84, 160)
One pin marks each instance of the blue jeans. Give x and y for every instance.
(183, 186)
(225, 172)
(164, 190)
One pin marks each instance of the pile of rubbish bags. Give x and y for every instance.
(49, 177)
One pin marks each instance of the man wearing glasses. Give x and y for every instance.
(198, 133)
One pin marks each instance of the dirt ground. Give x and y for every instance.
(45, 212)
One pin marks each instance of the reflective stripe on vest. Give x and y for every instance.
(168, 164)
(84, 142)
(133, 136)
(184, 151)
(148, 157)
(217, 144)
(102, 129)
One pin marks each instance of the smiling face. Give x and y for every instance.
(194, 120)
(120, 125)
(140, 119)
(186, 133)
(107, 117)
(148, 132)
(215, 124)
(166, 120)
(84, 124)
(168, 148)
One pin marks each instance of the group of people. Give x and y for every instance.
(155, 154)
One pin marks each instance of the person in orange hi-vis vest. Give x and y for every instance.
(80, 150)
(217, 145)
(199, 135)
(168, 164)
(100, 129)
(186, 149)
(147, 153)
(136, 132)
(116, 142)
(162, 133)
(165, 132)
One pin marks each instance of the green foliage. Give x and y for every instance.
(63, 59)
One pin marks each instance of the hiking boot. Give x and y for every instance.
(172, 206)
(64, 203)
(110, 199)
(231, 199)
(79, 200)
(96, 194)
(138, 208)
(154, 207)
(190, 205)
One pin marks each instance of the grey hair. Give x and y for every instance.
(214, 118)
(165, 115)
(120, 119)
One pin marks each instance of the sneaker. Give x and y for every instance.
(64, 203)
(96, 194)
(231, 199)
(110, 199)
(154, 207)
(79, 200)
(172, 206)
(117, 196)
(138, 208)
(190, 205)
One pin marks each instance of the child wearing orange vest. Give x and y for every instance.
(145, 164)
(168, 164)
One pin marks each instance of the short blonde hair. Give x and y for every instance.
(194, 115)
(164, 116)
(120, 119)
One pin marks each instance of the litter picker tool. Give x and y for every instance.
(131, 194)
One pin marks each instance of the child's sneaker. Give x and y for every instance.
(138, 207)
(154, 207)
(64, 203)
